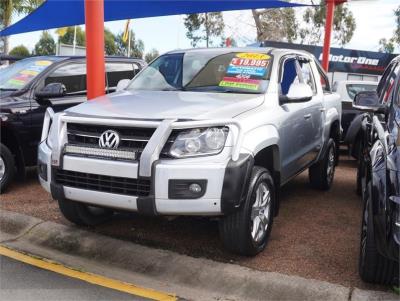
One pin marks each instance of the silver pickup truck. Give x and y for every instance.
(201, 132)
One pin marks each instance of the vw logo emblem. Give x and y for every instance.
(109, 139)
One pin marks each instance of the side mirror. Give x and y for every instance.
(122, 84)
(368, 101)
(52, 90)
(298, 92)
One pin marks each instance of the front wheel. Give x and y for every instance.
(246, 232)
(321, 174)
(373, 267)
(7, 167)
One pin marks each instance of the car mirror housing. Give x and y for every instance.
(122, 84)
(298, 92)
(52, 90)
(368, 101)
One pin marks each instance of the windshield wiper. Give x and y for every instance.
(8, 89)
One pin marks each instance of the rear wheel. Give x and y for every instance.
(321, 174)
(84, 215)
(373, 267)
(247, 231)
(7, 167)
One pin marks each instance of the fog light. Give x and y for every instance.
(186, 189)
(195, 188)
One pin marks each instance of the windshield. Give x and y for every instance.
(353, 89)
(19, 74)
(206, 72)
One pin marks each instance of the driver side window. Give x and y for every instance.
(73, 76)
(296, 71)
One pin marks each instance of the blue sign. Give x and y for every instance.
(245, 70)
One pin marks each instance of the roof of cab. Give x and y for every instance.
(223, 50)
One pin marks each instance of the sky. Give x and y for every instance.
(374, 18)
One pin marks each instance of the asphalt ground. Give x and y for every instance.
(316, 234)
(23, 282)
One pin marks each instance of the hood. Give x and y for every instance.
(169, 104)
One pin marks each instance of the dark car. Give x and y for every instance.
(347, 89)
(379, 178)
(28, 86)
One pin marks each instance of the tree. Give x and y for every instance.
(386, 45)
(397, 31)
(151, 55)
(10, 8)
(137, 45)
(20, 51)
(344, 25)
(46, 45)
(109, 42)
(67, 36)
(275, 24)
(204, 27)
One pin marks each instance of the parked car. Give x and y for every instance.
(24, 91)
(203, 132)
(347, 90)
(379, 174)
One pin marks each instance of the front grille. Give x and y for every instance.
(87, 181)
(88, 135)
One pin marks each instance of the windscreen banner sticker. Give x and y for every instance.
(240, 83)
(43, 63)
(25, 76)
(255, 71)
(246, 71)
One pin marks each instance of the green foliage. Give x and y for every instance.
(344, 25)
(20, 51)
(204, 27)
(151, 55)
(10, 8)
(68, 37)
(386, 45)
(397, 31)
(137, 46)
(276, 24)
(46, 45)
(109, 42)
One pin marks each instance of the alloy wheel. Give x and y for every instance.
(261, 212)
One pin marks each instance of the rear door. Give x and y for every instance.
(116, 71)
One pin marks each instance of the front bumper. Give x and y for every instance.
(216, 172)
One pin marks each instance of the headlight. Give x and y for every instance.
(199, 142)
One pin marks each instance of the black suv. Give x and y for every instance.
(28, 86)
(379, 178)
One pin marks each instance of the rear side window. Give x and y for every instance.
(118, 71)
(353, 89)
(73, 76)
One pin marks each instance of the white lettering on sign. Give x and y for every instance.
(361, 60)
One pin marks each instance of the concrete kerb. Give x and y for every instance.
(190, 278)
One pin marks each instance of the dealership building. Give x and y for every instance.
(345, 64)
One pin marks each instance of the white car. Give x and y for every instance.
(206, 132)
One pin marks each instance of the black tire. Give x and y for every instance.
(321, 174)
(236, 228)
(372, 266)
(84, 215)
(8, 167)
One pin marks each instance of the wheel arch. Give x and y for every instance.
(269, 158)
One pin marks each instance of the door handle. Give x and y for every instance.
(322, 110)
(307, 116)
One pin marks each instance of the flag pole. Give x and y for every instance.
(129, 42)
(74, 42)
